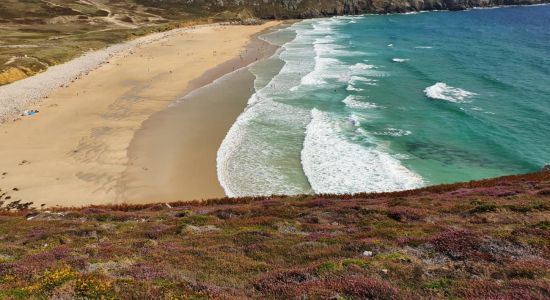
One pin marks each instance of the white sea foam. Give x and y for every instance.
(322, 72)
(327, 64)
(423, 47)
(260, 155)
(353, 101)
(361, 66)
(333, 164)
(366, 70)
(390, 131)
(245, 158)
(399, 60)
(402, 156)
(365, 80)
(329, 59)
(355, 120)
(328, 46)
(354, 80)
(442, 91)
(263, 152)
(352, 88)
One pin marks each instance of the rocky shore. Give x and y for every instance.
(354, 7)
(301, 9)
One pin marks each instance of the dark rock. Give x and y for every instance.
(545, 168)
(300, 9)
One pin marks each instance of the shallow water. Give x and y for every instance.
(383, 103)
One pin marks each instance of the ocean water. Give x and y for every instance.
(383, 103)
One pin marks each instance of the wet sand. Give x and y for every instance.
(74, 152)
(173, 155)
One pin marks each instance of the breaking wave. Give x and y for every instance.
(333, 164)
(442, 91)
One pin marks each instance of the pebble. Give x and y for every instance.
(367, 253)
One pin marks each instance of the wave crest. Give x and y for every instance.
(399, 60)
(353, 101)
(442, 91)
(333, 164)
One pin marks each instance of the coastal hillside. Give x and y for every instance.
(488, 239)
(281, 9)
(36, 34)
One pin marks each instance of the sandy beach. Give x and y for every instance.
(173, 155)
(75, 151)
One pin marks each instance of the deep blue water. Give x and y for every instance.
(380, 103)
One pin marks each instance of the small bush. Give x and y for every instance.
(396, 257)
(544, 225)
(196, 220)
(354, 262)
(457, 244)
(514, 289)
(92, 287)
(52, 279)
(279, 282)
(361, 287)
(403, 215)
(483, 208)
(530, 269)
(438, 284)
(326, 267)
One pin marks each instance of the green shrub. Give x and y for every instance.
(326, 267)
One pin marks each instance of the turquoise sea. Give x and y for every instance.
(391, 102)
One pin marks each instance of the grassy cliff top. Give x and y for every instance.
(37, 34)
(486, 239)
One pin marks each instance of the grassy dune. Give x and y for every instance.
(36, 34)
(486, 239)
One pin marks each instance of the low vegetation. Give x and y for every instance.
(480, 240)
(37, 34)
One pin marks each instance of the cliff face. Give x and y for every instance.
(283, 9)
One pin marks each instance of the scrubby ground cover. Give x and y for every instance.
(37, 34)
(488, 239)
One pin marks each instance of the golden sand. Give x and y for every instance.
(75, 150)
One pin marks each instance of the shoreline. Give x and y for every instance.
(173, 155)
(74, 151)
